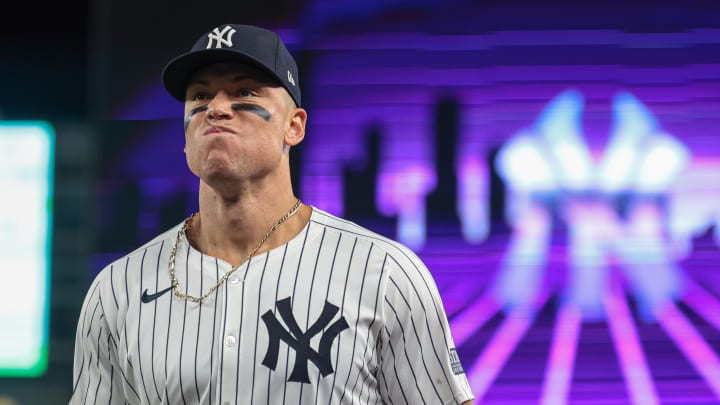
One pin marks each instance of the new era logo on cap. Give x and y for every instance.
(290, 78)
(246, 44)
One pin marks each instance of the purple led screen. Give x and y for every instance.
(562, 186)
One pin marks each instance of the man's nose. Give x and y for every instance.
(220, 106)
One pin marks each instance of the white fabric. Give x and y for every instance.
(393, 347)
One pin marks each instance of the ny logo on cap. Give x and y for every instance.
(221, 38)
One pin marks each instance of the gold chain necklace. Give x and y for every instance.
(181, 232)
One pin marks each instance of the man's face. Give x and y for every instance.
(238, 124)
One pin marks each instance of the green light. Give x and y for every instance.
(26, 178)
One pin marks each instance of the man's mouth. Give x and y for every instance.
(218, 129)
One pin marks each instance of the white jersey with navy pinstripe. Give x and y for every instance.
(337, 315)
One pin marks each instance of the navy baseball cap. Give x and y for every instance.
(234, 43)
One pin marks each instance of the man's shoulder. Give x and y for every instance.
(154, 244)
(400, 253)
(123, 273)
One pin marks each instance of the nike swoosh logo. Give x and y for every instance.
(147, 298)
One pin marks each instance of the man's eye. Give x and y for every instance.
(200, 97)
(245, 92)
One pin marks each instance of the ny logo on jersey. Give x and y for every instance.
(221, 38)
(300, 341)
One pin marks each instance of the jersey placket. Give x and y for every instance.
(231, 338)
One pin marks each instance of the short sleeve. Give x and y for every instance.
(96, 376)
(419, 363)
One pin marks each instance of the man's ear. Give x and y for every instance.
(295, 132)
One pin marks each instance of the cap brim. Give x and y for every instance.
(177, 72)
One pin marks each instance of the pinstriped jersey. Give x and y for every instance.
(337, 315)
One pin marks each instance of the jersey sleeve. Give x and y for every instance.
(96, 377)
(419, 363)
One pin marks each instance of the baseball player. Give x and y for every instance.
(258, 298)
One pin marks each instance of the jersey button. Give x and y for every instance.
(234, 279)
(230, 341)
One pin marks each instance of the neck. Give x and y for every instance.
(231, 228)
